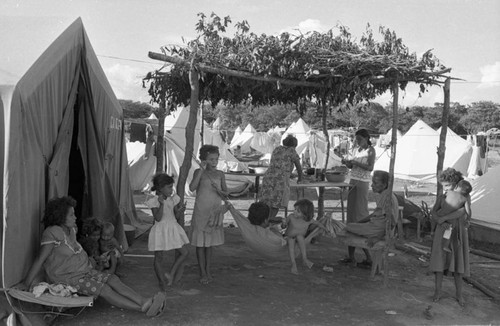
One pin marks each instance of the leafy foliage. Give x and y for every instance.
(135, 110)
(329, 67)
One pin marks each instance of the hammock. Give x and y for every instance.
(264, 241)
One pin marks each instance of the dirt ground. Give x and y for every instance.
(250, 290)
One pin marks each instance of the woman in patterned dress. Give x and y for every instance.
(65, 261)
(276, 181)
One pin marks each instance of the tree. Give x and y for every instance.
(481, 116)
(327, 68)
(135, 110)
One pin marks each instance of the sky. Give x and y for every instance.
(464, 34)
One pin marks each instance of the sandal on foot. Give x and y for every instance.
(157, 306)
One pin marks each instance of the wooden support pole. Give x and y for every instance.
(190, 128)
(441, 151)
(160, 141)
(394, 136)
(321, 190)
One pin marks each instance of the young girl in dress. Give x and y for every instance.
(457, 259)
(210, 186)
(166, 234)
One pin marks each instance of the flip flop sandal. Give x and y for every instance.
(157, 306)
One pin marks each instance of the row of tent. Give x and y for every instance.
(416, 154)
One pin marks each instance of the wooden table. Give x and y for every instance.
(324, 184)
(247, 174)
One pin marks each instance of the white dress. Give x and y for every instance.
(166, 234)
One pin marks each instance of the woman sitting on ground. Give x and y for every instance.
(65, 261)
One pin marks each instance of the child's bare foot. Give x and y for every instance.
(308, 263)
(204, 280)
(295, 270)
(170, 278)
(461, 301)
(436, 297)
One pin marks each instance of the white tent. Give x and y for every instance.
(485, 198)
(237, 133)
(175, 145)
(300, 130)
(262, 142)
(217, 124)
(152, 117)
(244, 139)
(141, 167)
(227, 161)
(317, 151)
(478, 164)
(385, 139)
(416, 155)
(175, 125)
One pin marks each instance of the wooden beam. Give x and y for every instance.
(234, 73)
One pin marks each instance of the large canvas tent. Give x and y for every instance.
(484, 198)
(62, 134)
(416, 156)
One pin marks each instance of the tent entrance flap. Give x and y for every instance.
(76, 186)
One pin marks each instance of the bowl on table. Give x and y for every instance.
(260, 169)
(334, 176)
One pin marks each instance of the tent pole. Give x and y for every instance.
(442, 137)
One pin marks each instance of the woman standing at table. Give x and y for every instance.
(361, 165)
(276, 181)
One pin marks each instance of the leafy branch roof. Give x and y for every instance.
(331, 66)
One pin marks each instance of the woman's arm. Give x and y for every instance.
(468, 209)
(158, 211)
(370, 162)
(196, 179)
(452, 216)
(296, 162)
(45, 251)
(223, 184)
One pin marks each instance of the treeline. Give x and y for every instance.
(463, 119)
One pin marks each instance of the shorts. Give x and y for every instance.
(91, 283)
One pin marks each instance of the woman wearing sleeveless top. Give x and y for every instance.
(361, 165)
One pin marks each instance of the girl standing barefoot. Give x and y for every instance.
(166, 234)
(210, 186)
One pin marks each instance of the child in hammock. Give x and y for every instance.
(258, 214)
(297, 225)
